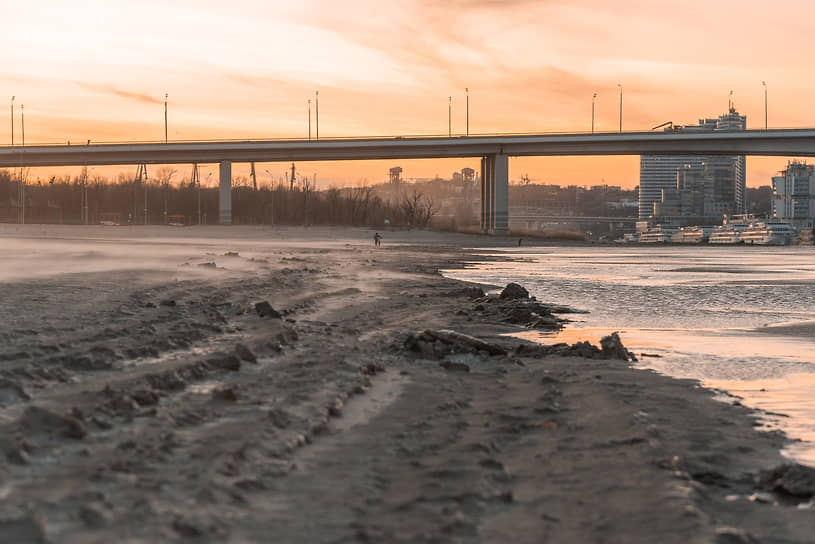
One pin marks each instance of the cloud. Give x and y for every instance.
(121, 93)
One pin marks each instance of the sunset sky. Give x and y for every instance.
(98, 69)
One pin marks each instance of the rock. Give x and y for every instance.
(207, 265)
(264, 309)
(38, 421)
(613, 348)
(733, 535)
(226, 394)
(226, 362)
(458, 339)
(279, 417)
(93, 515)
(29, 529)
(790, 479)
(244, 353)
(145, 397)
(458, 367)
(514, 291)
(231, 254)
(11, 392)
(168, 302)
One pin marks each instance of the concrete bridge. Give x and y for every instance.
(494, 151)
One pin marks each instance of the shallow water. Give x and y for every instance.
(693, 312)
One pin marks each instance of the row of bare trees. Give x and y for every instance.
(161, 201)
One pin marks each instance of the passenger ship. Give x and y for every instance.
(729, 232)
(775, 233)
(691, 235)
(658, 234)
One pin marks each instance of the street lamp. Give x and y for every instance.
(764, 83)
(317, 113)
(593, 98)
(22, 120)
(309, 119)
(467, 95)
(12, 121)
(621, 106)
(449, 116)
(166, 95)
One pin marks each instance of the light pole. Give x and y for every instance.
(764, 83)
(12, 121)
(593, 98)
(449, 116)
(317, 112)
(621, 106)
(467, 96)
(22, 120)
(309, 119)
(165, 116)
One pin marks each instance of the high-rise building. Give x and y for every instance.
(794, 194)
(724, 174)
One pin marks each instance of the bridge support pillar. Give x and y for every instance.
(225, 194)
(495, 194)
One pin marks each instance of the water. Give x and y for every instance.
(709, 313)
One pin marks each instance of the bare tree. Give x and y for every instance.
(418, 209)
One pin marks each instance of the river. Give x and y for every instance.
(715, 314)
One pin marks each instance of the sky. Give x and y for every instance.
(99, 70)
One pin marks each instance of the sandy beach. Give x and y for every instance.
(148, 395)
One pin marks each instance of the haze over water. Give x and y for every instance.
(698, 309)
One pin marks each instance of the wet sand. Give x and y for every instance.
(145, 400)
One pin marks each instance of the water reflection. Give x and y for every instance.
(696, 311)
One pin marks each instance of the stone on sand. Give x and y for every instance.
(264, 309)
(41, 421)
(513, 291)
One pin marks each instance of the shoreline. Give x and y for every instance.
(196, 441)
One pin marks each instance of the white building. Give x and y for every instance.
(794, 194)
(659, 172)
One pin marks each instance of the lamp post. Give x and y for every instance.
(166, 95)
(12, 121)
(309, 119)
(449, 116)
(467, 96)
(764, 83)
(22, 120)
(593, 98)
(317, 112)
(621, 106)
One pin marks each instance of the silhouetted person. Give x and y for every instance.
(519, 241)
(377, 238)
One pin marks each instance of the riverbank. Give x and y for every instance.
(145, 398)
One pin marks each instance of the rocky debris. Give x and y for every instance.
(41, 421)
(166, 381)
(29, 529)
(244, 353)
(613, 348)
(514, 291)
(279, 418)
(264, 309)
(168, 302)
(437, 344)
(789, 479)
(145, 397)
(231, 254)
(12, 392)
(210, 264)
(225, 362)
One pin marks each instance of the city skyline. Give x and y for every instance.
(100, 71)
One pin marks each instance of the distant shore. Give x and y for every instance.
(145, 397)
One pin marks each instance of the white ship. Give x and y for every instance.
(769, 233)
(657, 234)
(691, 235)
(730, 232)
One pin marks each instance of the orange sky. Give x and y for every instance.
(98, 69)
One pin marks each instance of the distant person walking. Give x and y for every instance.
(377, 239)
(519, 241)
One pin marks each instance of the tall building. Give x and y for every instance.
(794, 194)
(724, 174)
